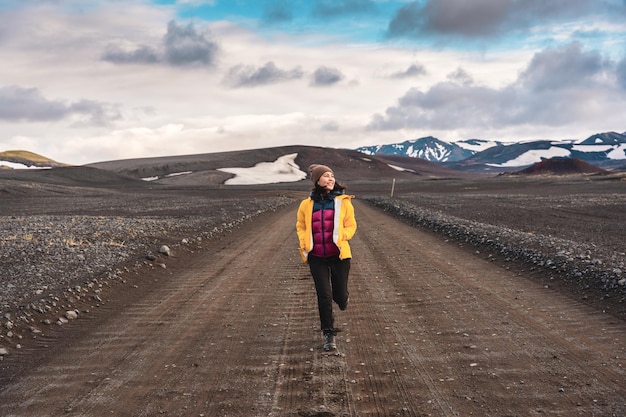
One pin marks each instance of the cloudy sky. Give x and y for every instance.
(87, 81)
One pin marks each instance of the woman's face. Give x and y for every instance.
(327, 181)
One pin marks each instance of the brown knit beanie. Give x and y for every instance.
(317, 171)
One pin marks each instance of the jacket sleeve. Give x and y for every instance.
(345, 227)
(301, 225)
(303, 231)
(349, 221)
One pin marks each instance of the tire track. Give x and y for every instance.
(234, 331)
(412, 388)
(475, 342)
(189, 325)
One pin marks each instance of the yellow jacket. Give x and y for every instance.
(343, 229)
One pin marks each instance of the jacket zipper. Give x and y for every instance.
(323, 231)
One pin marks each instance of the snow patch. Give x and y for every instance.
(15, 165)
(476, 145)
(175, 174)
(534, 156)
(591, 148)
(397, 168)
(619, 152)
(615, 152)
(284, 169)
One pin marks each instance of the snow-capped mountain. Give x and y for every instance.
(607, 150)
(608, 138)
(477, 145)
(429, 148)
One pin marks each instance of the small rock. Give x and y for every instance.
(71, 315)
(3, 352)
(165, 250)
(320, 411)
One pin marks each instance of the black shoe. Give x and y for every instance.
(345, 305)
(329, 341)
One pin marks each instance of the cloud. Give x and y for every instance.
(125, 56)
(461, 76)
(445, 105)
(413, 70)
(184, 45)
(480, 18)
(141, 55)
(28, 104)
(250, 76)
(563, 67)
(18, 104)
(277, 12)
(324, 76)
(621, 73)
(558, 86)
(181, 46)
(335, 8)
(197, 2)
(331, 126)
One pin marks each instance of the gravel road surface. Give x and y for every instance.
(232, 330)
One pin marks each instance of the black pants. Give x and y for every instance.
(331, 284)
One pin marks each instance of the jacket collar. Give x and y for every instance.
(330, 195)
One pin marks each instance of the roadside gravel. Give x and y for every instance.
(62, 251)
(43, 254)
(592, 272)
(49, 261)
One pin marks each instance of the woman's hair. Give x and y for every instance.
(337, 187)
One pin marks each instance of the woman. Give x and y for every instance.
(324, 225)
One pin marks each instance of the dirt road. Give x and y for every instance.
(431, 330)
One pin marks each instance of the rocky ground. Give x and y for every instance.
(594, 272)
(61, 247)
(231, 329)
(568, 230)
(59, 250)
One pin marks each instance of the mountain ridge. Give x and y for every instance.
(603, 150)
(25, 159)
(201, 170)
(606, 150)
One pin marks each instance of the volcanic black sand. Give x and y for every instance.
(439, 323)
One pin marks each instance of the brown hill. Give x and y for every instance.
(202, 170)
(350, 165)
(71, 176)
(561, 166)
(29, 159)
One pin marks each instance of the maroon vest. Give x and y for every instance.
(322, 227)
